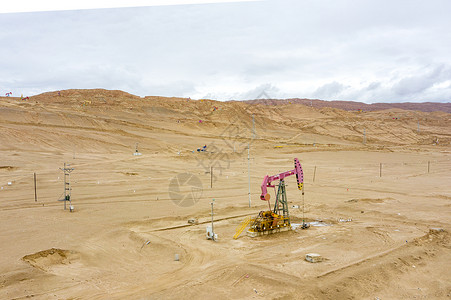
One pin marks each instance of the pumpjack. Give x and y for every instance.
(278, 218)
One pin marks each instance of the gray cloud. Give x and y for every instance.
(373, 86)
(329, 91)
(264, 91)
(422, 80)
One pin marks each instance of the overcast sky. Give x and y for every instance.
(369, 51)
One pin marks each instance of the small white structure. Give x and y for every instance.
(210, 234)
(313, 257)
(136, 153)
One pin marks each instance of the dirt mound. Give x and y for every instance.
(48, 258)
(7, 168)
(385, 272)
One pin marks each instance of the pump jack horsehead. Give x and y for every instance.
(268, 179)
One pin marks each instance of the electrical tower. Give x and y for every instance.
(67, 188)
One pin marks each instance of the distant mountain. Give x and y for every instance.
(351, 105)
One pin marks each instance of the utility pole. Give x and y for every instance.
(35, 194)
(364, 136)
(249, 173)
(304, 225)
(249, 159)
(418, 128)
(67, 189)
(253, 127)
(314, 175)
(212, 228)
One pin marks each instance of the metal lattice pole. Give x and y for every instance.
(67, 188)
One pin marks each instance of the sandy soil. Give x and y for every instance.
(378, 201)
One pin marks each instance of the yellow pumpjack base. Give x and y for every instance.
(251, 233)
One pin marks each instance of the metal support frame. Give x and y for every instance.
(281, 198)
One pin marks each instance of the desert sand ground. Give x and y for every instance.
(377, 200)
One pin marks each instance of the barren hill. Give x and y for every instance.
(355, 106)
(116, 118)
